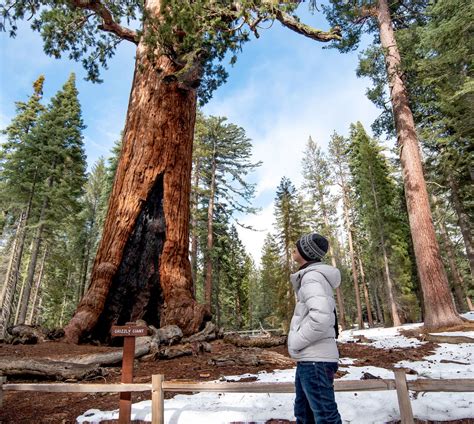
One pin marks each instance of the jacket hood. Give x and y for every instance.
(332, 274)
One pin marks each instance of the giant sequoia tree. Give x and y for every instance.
(142, 269)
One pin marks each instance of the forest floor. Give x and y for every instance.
(34, 407)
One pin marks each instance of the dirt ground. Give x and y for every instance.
(31, 407)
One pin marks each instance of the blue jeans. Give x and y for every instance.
(315, 402)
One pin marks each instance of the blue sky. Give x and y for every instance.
(282, 89)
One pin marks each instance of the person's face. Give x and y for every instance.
(297, 256)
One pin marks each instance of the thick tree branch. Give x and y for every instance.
(306, 30)
(108, 22)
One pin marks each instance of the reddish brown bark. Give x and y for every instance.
(439, 308)
(142, 268)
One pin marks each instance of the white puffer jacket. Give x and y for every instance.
(312, 334)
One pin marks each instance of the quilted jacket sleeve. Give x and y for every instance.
(320, 304)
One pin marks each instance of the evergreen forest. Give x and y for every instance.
(398, 249)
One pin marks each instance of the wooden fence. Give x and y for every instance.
(158, 386)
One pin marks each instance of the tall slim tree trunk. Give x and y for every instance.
(36, 294)
(64, 302)
(194, 235)
(378, 307)
(438, 304)
(210, 239)
(87, 257)
(11, 278)
(339, 297)
(30, 274)
(366, 294)
(13, 272)
(386, 267)
(389, 284)
(218, 297)
(457, 280)
(355, 275)
(463, 221)
(142, 268)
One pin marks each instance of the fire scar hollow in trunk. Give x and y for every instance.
(142, 269)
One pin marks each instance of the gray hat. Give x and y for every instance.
(312, 247)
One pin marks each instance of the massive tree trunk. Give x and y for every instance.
(142, 269)
(438, 304)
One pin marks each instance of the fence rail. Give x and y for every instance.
(158, 386)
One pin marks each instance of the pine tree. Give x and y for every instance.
(433, 277)
(290, 225)
(227, 161)
(91, 215)
(234, 273)
(18, 179)
(434, 55)
(59, 135)
(445, 66)
(271, 277)
(377, 203)
(318, 183)
(338, 147)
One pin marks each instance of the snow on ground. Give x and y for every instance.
(448, 361)
(383, 338)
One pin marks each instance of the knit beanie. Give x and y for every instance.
(312, 247)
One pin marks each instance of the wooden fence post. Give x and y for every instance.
(157, 400)
(128, 332)
(3, 380)
(406, 413)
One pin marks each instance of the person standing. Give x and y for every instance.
(313, 332)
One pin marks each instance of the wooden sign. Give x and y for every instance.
(129, 331)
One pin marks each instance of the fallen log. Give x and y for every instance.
(438, 338)
(142, 347)
(261, 342)
(169, 334)
(209, 333)
(46, 368)
(187, 349)
(25, 334)
(253, 357)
